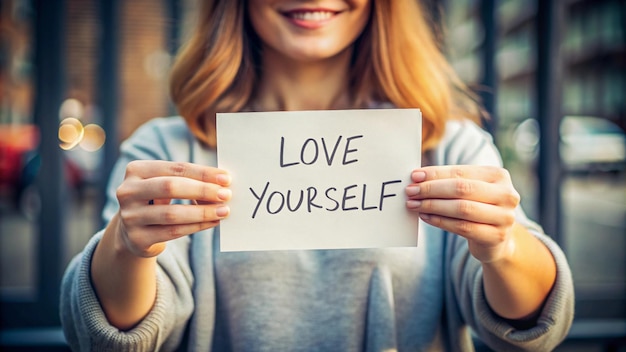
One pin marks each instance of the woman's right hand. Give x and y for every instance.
(123, 267)
(147, 219)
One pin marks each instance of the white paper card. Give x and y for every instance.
(319, 179)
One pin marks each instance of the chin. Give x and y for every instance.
(311, 58)
(312, 53)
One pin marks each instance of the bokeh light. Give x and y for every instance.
(93, 139)
(71, 108)
(71, 132)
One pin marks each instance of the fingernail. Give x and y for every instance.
(222, 211)
(425, 216)
(412, 190)
(418, 176)
(224, 194)
(223, 179)
(413, 204)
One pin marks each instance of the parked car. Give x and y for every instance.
(588, 144)
(592, 144)
(16, 141)
(20, 163)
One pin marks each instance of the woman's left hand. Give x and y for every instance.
(476, 202)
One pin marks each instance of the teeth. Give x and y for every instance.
(311, 16)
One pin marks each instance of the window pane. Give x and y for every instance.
(17, 253)
(19, 199)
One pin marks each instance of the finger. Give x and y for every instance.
(178, 214)
(170, 187)
(464, 210)
(461, 188)
(483, 234)
(155, 168)
(491, 174)
(151, 235)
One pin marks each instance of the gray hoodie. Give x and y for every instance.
(406, 299)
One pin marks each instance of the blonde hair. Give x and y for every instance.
(397, 61)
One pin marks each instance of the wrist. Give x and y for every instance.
(504, 255)
(118, 237)
(125, 283)
(123, 246)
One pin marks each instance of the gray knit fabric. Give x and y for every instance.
(407, 299)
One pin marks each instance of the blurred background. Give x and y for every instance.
(78, 76)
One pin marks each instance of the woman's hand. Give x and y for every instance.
(148, 220)
(123, 267)
(476, 202)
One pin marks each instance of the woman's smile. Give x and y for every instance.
(308, 31)
(310, 18)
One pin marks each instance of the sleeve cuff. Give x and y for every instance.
(144, 337)
(555, 318)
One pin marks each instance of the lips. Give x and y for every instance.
(314, 16)
(310, 18)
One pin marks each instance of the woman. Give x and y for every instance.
(145, 283)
